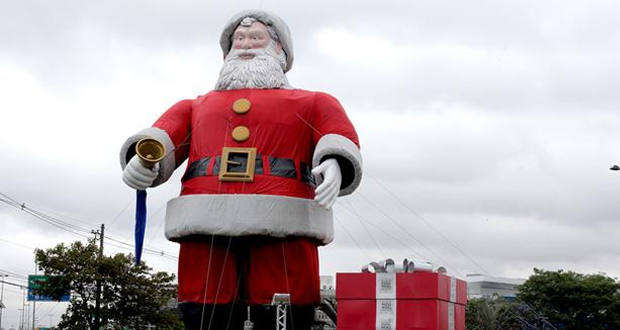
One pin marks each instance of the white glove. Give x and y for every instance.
(327, 191)
(137, 176)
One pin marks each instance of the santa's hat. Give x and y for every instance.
(267, 18)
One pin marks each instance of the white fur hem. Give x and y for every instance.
(242, 215)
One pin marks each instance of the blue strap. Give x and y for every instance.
(140, 222)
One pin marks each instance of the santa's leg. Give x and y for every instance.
(208, 284)
(282, 265)
(297, 317)
(197, 316)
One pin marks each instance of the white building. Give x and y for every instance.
(486, 286)
(327, 287)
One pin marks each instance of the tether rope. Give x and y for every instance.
(206, 286)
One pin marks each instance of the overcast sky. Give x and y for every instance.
(487, 127)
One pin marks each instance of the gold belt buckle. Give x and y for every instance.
(237, 164)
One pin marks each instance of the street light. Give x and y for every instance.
(615, 168)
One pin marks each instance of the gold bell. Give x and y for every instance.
(150, 152)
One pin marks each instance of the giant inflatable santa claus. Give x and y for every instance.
(265, 163)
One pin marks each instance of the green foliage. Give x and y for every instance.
(329, 308)
(131, 295)
(574, 301)
(492, 314)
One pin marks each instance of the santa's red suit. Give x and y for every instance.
(250, 152)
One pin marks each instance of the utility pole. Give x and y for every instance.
(34, 302)
(21, 318)
(27, 317)
(98, 292)
(2, 305)
(23, 313)
(34, 309)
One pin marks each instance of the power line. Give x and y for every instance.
(395, 196)
(351, 209)
(380, 210)
(71, 218)
(17, 285)
(14, 274)
(145, 249)
(379, 228)
(407, 232)
(131, 247)
(74, 229)
(161, 223)
(56, 222)
(352, 238)
(17, 244)
(120, 213)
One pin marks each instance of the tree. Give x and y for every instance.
(573, 301)
(328, 309)
(131, 297)
(492, 314)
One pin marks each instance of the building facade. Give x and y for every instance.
(486, 286)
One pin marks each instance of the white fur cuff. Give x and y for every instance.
(348, 156)
(166, 166)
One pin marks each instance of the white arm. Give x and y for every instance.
(328, 190)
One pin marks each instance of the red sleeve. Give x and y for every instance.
(176, 121)
(330, 118)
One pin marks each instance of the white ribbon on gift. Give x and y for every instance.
(385, 291)
(407, 266)
(385, 295)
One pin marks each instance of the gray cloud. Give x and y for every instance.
(495, 122)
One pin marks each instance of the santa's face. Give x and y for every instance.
(255, 36)
(254, 61)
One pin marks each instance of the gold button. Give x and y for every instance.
(240, 133)
(241, 106)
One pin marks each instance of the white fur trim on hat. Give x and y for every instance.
(267, 18)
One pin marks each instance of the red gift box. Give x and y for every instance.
(400, 301)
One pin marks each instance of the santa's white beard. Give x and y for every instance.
(264, 70)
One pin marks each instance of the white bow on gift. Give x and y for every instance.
(408, 266)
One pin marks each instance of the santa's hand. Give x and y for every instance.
(137, 176)
(327, 191)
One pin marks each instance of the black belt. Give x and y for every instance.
(282, 167)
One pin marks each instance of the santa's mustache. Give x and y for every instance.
(253, 68)
(240, 53)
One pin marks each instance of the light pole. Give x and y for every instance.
(26, 316)
(2, 306)
(23, 310)
(21, 318)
